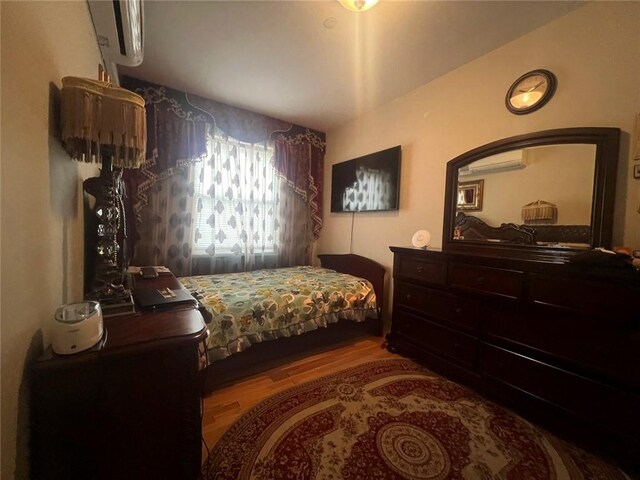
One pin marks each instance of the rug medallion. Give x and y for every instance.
(392, 419)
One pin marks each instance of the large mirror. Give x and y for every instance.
(546, 194)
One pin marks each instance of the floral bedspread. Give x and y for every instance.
(241, 309)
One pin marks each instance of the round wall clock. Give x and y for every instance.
(531, 91)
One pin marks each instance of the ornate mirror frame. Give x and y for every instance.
(607, 142)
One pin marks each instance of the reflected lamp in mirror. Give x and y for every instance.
(470, 195)
(539, 213)
(106, 124)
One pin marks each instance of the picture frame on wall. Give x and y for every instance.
(470, 195)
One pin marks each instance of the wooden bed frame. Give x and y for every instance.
(266, 355)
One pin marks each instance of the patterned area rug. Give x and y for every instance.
(392, 419)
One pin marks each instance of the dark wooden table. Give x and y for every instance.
(128, 410)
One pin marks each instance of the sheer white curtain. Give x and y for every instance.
(235, 206)
(165, 231)
(294, 234)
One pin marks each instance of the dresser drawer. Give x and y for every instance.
(429, 271)
(438, 304)
(496, 281)
(585, 296)
(591, 400)
(449, 343)
(588, 342)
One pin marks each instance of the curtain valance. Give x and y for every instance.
(177, 135)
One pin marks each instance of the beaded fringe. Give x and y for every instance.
(101, 119)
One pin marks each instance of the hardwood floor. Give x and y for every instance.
(223, 406)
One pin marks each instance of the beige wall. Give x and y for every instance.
(41, 245)
(595, 54)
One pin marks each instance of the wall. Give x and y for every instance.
(41, 226)
(595, 54)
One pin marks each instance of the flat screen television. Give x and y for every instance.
(367, 184)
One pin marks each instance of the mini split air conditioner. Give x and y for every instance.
(120, 33)
(513, 160)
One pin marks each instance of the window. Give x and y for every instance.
(235, 195)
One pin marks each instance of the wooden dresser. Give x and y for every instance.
(558, 342)
(129, 410)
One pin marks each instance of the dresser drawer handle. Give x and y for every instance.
(408, 297)
(480, 279)
(458, 311)
(420, 269)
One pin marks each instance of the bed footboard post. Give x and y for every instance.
(363, 267)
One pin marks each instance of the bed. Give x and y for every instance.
(257, 319)
(472, 228)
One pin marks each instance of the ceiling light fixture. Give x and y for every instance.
(358, 5)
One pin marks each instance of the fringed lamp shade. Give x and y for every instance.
(539, 212)
(106, 124)
(101, 119)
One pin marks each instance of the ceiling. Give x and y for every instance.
(315, 63)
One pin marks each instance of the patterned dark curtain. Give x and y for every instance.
(299, 158)
(158, 192)
(161, 193)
